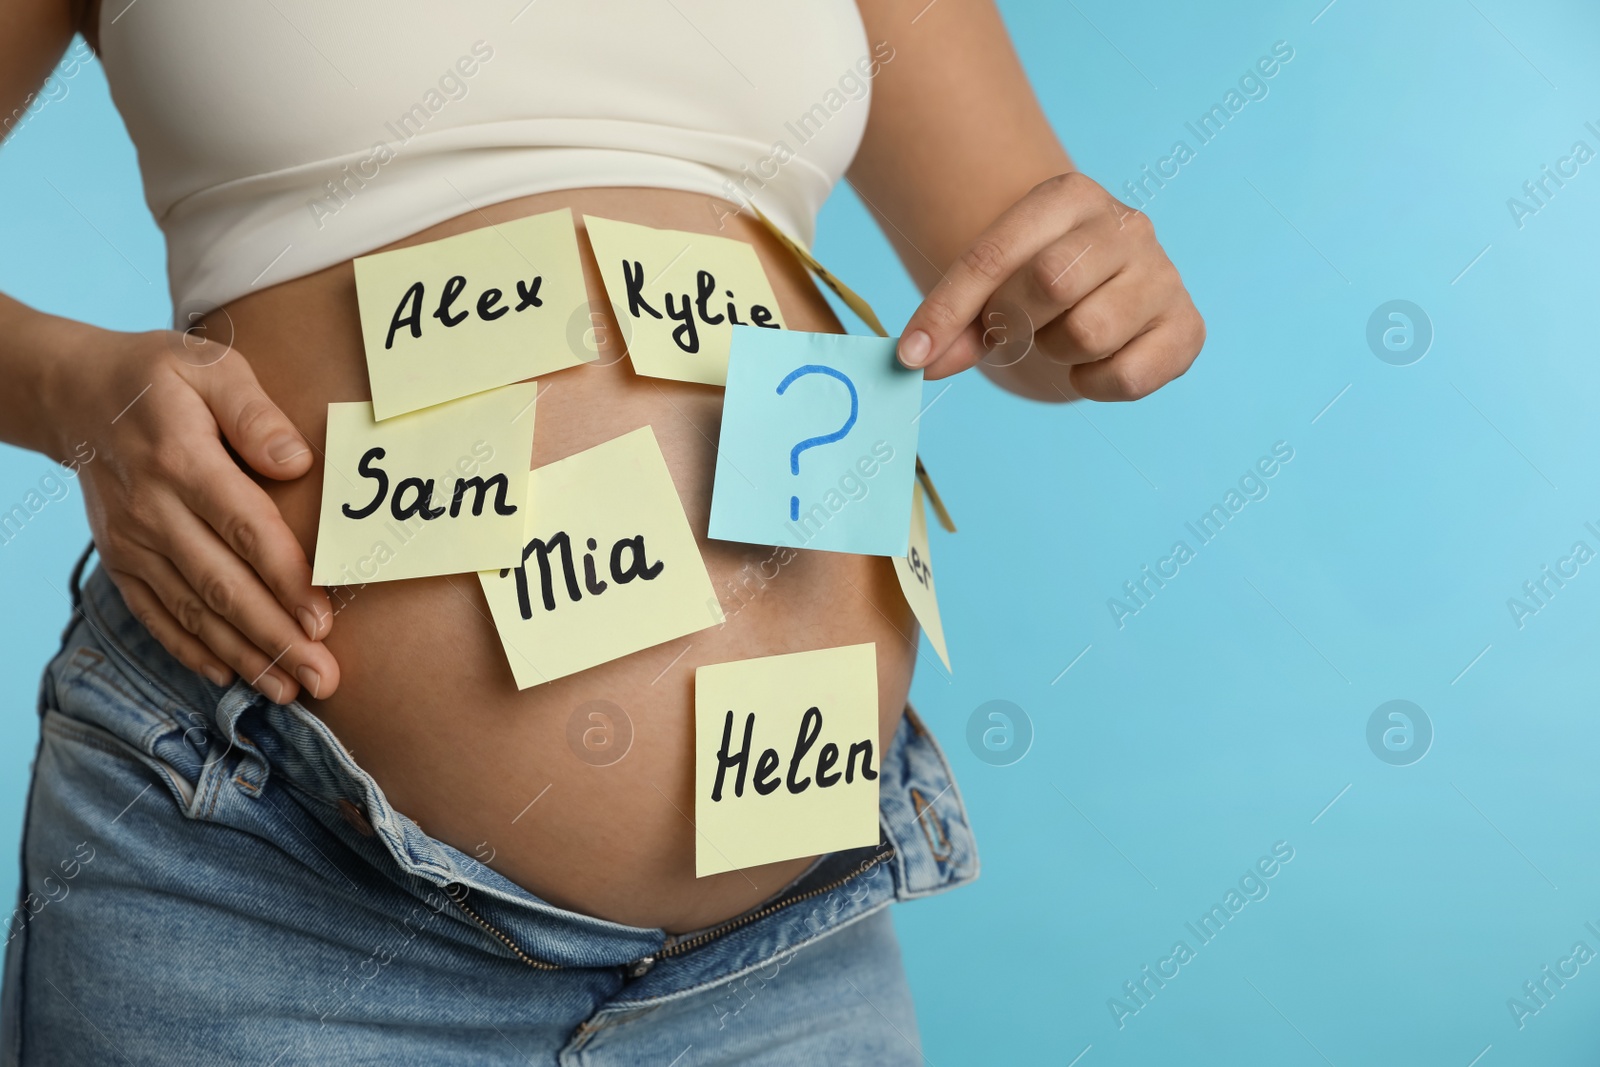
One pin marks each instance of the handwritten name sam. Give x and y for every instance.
(387, 513)
(420, 501)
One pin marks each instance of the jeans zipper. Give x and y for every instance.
(677, 948)
(537, 964)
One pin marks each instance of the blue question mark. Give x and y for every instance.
(827, 438)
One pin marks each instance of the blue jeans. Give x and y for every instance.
(210, 878)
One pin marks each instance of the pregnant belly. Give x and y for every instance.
(427, 704)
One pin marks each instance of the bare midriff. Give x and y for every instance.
(427, 704)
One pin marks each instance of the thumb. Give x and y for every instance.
(256, 428)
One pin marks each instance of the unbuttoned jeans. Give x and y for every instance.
(211, 878)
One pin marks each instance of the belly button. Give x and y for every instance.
(355, 817)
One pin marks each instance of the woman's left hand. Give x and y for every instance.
(1070, 275)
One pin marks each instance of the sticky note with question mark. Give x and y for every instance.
(819, 443)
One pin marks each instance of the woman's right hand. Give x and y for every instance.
(200, 552)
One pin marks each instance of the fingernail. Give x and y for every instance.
(219, 677)
(270, 687)
(914, 348)
(284, 447)
(308, 621)
(311, 680)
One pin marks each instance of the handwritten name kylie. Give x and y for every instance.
(769, 761)
(408, 313)
(687, 313)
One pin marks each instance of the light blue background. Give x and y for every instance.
(1228, 713)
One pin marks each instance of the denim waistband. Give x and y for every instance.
(217, 748)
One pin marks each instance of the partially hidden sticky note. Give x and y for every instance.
(607, 566)
(786, 757)
(935, 501)
(678, 295)
(440, 491)
(915, 571)
(471, 312)
(852, 301)
(819, 443)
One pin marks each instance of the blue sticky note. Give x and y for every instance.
(819, 443)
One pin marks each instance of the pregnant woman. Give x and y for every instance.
(277, 824)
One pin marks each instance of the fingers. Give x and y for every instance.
(969, 346)
(1146, 363)
(1104, 321)
(242, 514)
(232, 590)
(216, 596)
(154, 616)
(189, 609)
(1049, 210)
(201, 552)
(1025, 307)
(235, 507)
(1102, 299)
(255, 427)
(1057, 278)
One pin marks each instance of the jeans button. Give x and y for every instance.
(356, 818)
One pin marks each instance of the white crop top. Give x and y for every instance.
(276, 139)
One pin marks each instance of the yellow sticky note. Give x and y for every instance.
(786, 757)
(852, 301)
(677, 296)
(471, 312)
(439, 491)
(939, 510)
(915, 571)
(607, 565)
